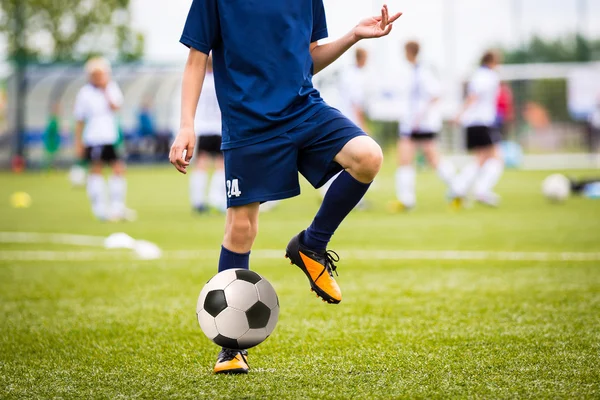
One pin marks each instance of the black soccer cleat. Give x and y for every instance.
(232, 362)
(318, 267)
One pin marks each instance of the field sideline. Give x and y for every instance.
(479, 303)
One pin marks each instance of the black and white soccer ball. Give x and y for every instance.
(238, 309)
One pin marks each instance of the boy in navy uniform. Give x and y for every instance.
(275, 124)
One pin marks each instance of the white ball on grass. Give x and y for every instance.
(77, 175)
(556, 188)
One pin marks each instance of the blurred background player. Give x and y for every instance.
(588, 187)
(419, 129)
(505, 110)
(594, 128)
(351, 89)
(478, 117)
(146, 141)
(96, 135)
(51, 136)
(208, 150)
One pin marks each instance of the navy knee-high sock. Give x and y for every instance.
(230, 260)
(343, 195)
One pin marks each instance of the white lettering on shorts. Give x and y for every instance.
(233, 188)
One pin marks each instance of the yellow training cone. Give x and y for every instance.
(20, 200)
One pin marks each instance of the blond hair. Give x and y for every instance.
(97, 64)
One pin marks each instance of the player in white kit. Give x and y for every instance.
(351, 89)
(478, 117)
(96, 134)
(421, 124)
(208, 150)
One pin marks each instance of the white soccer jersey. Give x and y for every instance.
(352, 92)
(420, 115)
(594, 117)
(485, 85)
(208, 113)
(93, 108)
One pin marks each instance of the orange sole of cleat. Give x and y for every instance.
(311, 289)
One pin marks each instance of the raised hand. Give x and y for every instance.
(375, 27)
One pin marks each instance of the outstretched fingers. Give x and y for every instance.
(385, 21)
(394, 18)
(384, 17)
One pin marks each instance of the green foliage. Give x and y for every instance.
(574, 48)
(103, 325)
(76, 28)
(130, 44)
(385, 132)
(552, 95)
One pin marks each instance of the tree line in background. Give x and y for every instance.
(77, 30)
(572, 48)
(551, 94)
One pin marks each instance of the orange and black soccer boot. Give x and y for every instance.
(232, 362)
(318, 267)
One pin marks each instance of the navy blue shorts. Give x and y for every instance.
(268, 170)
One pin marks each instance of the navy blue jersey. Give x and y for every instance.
(262, 64)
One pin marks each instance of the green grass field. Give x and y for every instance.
(520, 318)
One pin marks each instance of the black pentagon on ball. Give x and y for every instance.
(226, 342)
(258, 315)
(215, 302)
(248, 276)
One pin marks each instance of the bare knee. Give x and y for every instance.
(431, 153)
(406, 151)
(241, 232)
(119, 168)
(202, 161)
(95, 168)
(368, 162)
(484, 154)
(362, 157)
(241, 228)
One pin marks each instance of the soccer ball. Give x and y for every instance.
(77, 175)
(556, 187)
(237, 309)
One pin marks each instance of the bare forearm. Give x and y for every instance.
(324, 55)
(193, 79)
(113, 106)
(369, 28)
